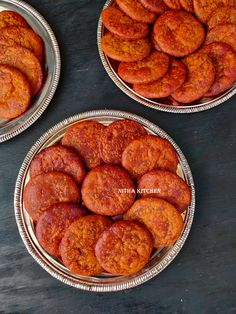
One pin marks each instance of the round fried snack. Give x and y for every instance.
(224, 33)
(155, 6)
(124, 248)
(147, 153)
(154, 42)
(53, 223)
(122, 25)
(148, 70)
(47, 189)
(135, 10)
(25, 61)
(25, 37)
(172, 80)
(58, 158)
(187, 5)
(77, 245)
(166, 185)
(161, 218)
(200, 77)
(125, 50)
(178, 33)
(108, 190)
(224, 60)
(116, 137)
(222, 15)
(84, 138)
(173, 4)
(204, 8)
(11, 18)
(14, 92)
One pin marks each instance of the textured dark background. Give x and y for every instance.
(202, 279)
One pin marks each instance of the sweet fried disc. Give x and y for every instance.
(187, 5)
(178, 33)
(11, 18)
(173, 4)
(172, 80)
(222, 16)
(14, 92)
(223, 33)
(25, 61)
(200, 77)
(125, 50)
(155, 6)
(136, 10)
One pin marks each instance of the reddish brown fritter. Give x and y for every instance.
(178, 33)
(108, 190)
(116, 137)
(77, 245)
(25, 61)
(172, 80)
(147, 153)
(25, 37)
(135, 10)
(125, 50)
(58, 158)
(187, 5)
(124, 248)
(154, 42)
(161, 218)
(224, 60)
(204, 8)
(122, 25)
(222, 15)
(148, 70)
(11, 18)
(173, 4)
(200, 77)
(47, 189)
(84, 138)
(155, 6)
(53, 224)
(224, 33)
(166, 185)
(14, 92)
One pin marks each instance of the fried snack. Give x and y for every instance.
(148, 70)
(222, 15)
(125, 50)
(161, 218)
(200, 78)
(135, 10)
(84, 138)
(187, 5)
(154, 42)
(155, 6)
(108, 190)
(147, 153)
(173, 4)
(11, 18)
(14, 92)
(166, 185)
(224, 33)
(77, 245)
(122, 25)
(116, 137)
(178, 33)
(25, 61)
(47, 189)
(124, 248)
(224, 60)
(172, 80)
(25, 37)
(53, 223)
(58, 158)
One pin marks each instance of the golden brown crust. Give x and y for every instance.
(155, 6)
(187, 5)
(124, 248)
(222, 15)
(11, 18)
(77, 245)
(224, 33)
(173, 4)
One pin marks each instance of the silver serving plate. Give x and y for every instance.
(164, 104)
(52, 66)
(104, 282)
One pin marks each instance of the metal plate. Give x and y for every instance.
(52, 67)
(159, 104)
(103, 282)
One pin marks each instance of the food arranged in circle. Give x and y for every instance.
(178, 31)
(21, 68)
(104, 198)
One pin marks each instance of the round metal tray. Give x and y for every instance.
(164, 104)
(104, 282)
(52, 67)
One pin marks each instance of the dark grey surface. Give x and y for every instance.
(202, 279)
